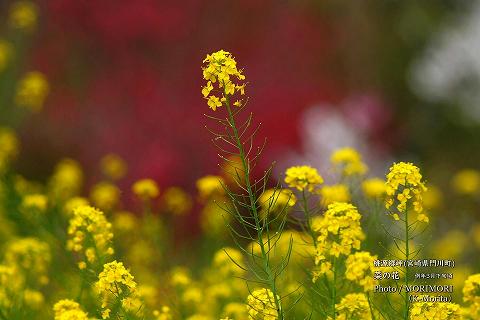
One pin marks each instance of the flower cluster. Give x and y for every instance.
(339, 232)
(115, 282)
(67, 309)
(471, 293)
(90, 233)
(404, 188)
(349, 161)
(353, 306)
(303, 178)
(30, 255)
(261, 305)
(360, 269)
(222, 70)
(423, 310)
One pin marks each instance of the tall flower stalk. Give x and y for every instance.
(404, 189)
(236, 144)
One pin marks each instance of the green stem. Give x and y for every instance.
(334, 287)
(253, 205)
(407, 253)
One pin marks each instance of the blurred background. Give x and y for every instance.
(394, 79)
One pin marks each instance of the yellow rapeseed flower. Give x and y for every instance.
(223, 77)
(353, 306)
(34, 202)
(303, 178)
(32, 90)
(105, 195)
(90, 234)
(23, 15)
(334, 193)
(404, 190)
(113, 166)
(67, 180)
(115, 283)
(274, 201)
(467, 182)
(374, 188)
(426, 310)
(175, 200)
(30, 255)
(67, 309)
(471, 293)
(339, 232)
(210, 186)
(360, 269)
(145, 189)
(349, 161)
(261, 305)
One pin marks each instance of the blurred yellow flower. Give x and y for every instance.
(374, 188)
(432, 198)
(334, 193)
(67, 180)
(349, 161)
(466, 181)
(30, 255)
(113, 166)
(275, 201)
(210, 186)
(105, 195)
(145, 189)
(451, 245)
(33, 299)
(73, 203)
(35, 202)
(23, 15)
(32, 90)
(175, 200)
(229, 262)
